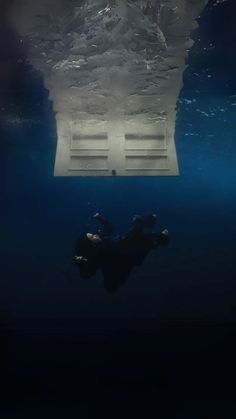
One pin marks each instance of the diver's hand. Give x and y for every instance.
(97, 215)
(79, 259)
(164, 237)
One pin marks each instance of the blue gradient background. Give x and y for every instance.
(168, 333)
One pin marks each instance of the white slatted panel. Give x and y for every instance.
(117, 149)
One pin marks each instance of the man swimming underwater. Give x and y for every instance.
(116, 257)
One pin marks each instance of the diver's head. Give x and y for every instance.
(94, 238)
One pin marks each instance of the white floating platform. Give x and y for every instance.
(113, 78)
(116, 149)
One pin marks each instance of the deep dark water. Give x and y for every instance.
(163, 344)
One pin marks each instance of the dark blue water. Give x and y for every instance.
(162, 344)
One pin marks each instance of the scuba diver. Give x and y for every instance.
(117, 256)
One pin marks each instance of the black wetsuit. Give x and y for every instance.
(116, 258)
(128, 252)
(95, 254)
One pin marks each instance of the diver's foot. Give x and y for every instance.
(79, 260)
(166, 232)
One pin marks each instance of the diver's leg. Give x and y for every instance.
(107, 228)
(137, 224)
(150, 221)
